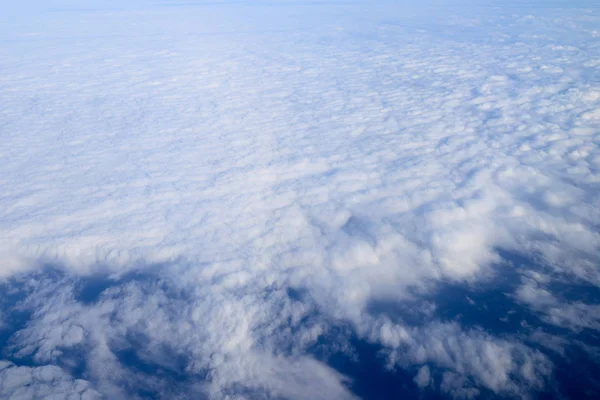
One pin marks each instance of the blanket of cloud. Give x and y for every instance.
(300, 199)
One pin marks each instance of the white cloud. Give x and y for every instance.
(423, 377)
(49, 382)
(488, 361)
(574, 315)
(354, 153)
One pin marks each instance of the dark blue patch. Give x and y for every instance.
(89, 289)
(370, 379)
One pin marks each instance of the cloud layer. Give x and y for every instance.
(227, 194)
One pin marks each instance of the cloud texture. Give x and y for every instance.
(217, 200)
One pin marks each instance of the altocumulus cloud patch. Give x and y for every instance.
(300, 200)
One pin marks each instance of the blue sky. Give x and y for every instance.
(234, 200)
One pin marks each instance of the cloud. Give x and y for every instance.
(19, 382)
(423, 377)
(490, 362)
(158, 334)
(224, 188)
(573, 315)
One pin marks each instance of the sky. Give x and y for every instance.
(300, 199)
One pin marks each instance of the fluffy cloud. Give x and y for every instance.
(226, 186)
(50, 382)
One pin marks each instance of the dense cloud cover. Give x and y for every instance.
(300, 200)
